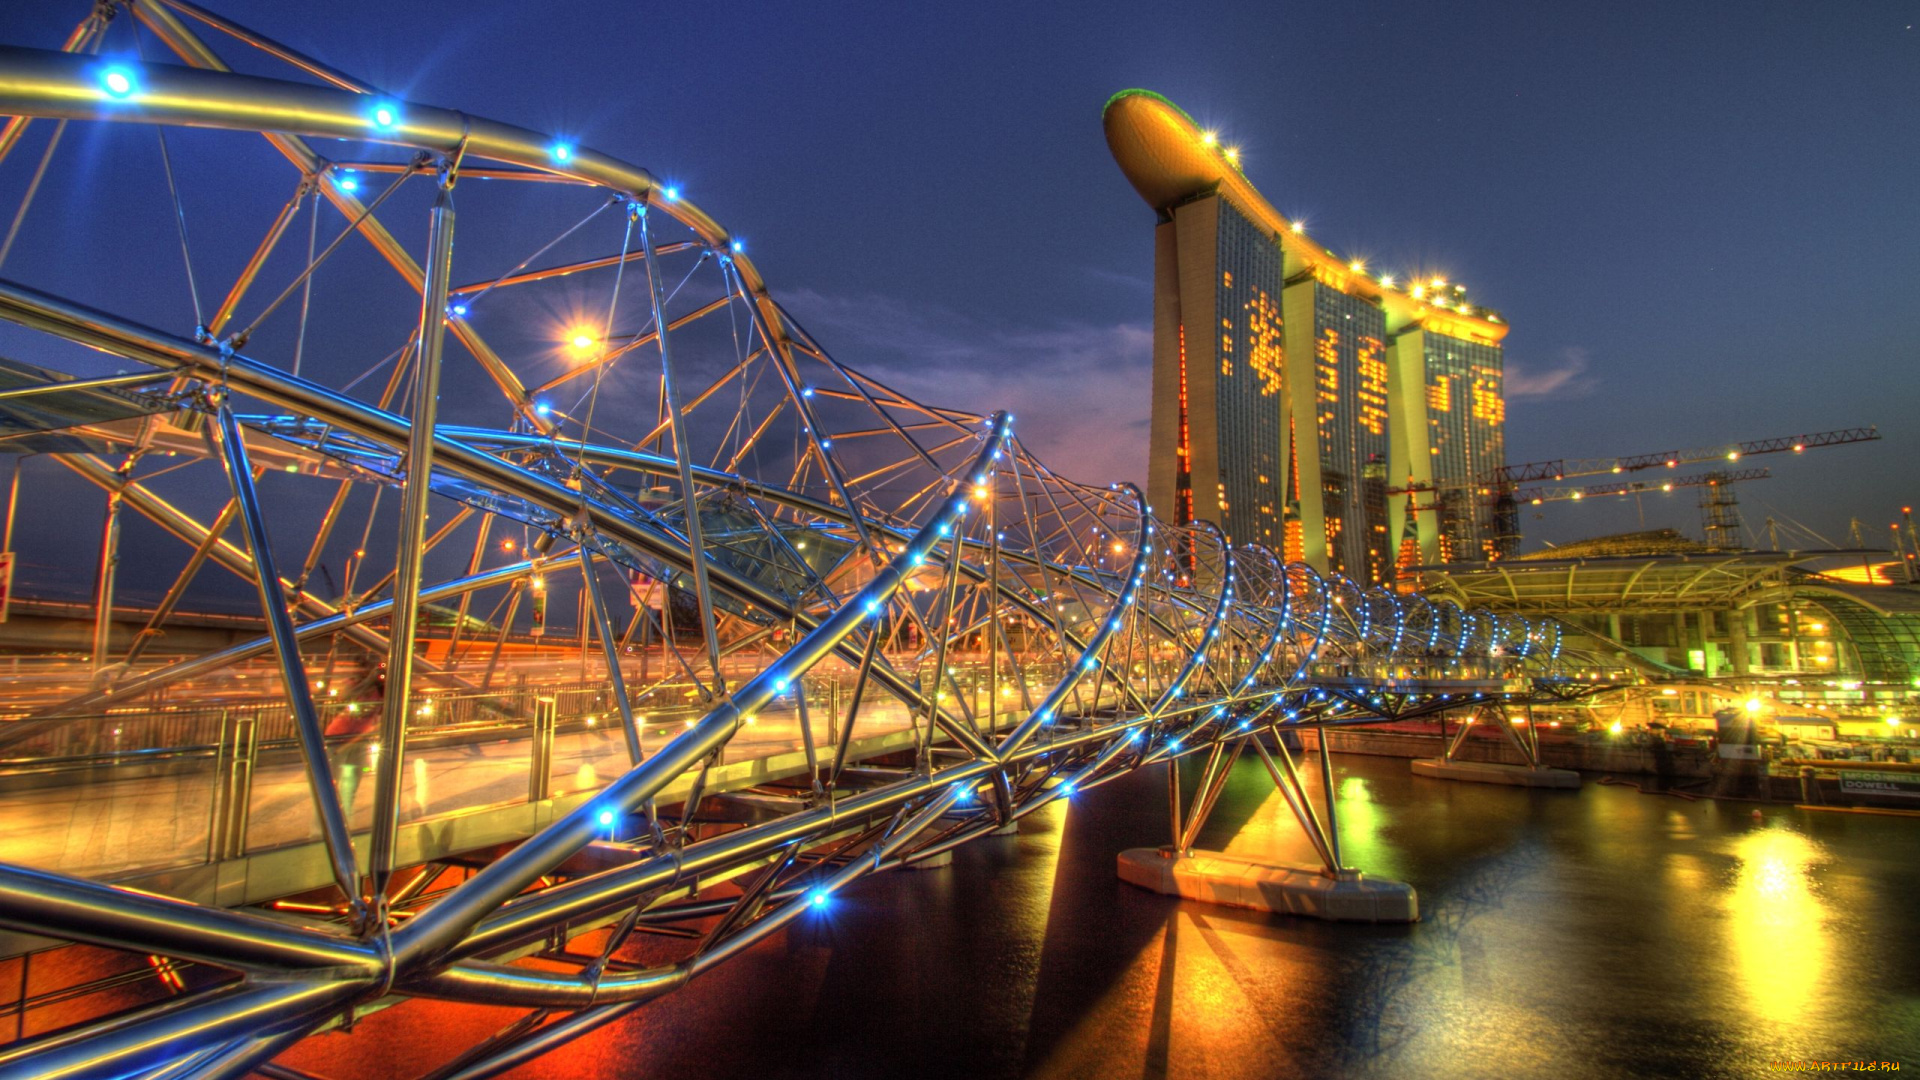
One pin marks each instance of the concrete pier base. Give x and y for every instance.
(1215, 878)
(936, 862)
(1011, 828)
(1487, 772)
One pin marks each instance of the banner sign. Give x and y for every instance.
(1889, 784)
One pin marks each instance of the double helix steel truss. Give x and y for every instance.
(951, 634)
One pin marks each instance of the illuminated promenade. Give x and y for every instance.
(884, 627)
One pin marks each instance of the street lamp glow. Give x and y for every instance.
(1753, 704)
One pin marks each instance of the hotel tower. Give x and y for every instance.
(1300, 401)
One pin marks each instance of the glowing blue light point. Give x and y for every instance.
(818, 899)
(562, 152)
(385, 116)
(606, 817)
(543, 408)
(118, 82)
(348, 183)
(738, 246)
(672, 194)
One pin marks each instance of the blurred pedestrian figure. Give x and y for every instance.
(350, 742)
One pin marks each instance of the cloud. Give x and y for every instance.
(1080, 392)
(1562, 380)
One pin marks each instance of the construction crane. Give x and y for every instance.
(1536, 496)
(1501, 489)
(1562, 468)
(1719, 509)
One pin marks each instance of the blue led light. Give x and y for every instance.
(826, 444)
(780, 685)
(562, 152)
(1066, 792)
(738, 246)
(672, 194)
(807, 392)
(1173, 744)
(818, 898)
(606, 817)
(117, 82)
(386, 117)
(873, 607)
(348, 183)
(542, 408)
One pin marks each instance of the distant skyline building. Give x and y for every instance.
(1293, 390)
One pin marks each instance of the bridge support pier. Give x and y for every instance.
(1328, 891)
(1531, 774)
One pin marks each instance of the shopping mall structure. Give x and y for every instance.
(1404, 392)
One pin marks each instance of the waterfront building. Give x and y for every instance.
(1801, 622)
(1300, 401)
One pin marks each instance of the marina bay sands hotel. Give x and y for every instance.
(1293, 389)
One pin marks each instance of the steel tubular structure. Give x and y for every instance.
(951, 635)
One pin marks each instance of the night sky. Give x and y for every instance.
(1700, 220)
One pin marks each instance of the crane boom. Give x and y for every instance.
(1563, 468)
(1536, 496)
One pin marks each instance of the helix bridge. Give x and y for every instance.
(806, 627)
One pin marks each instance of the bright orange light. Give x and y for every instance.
(1209, 137)
(506, 545)
(1233, 154)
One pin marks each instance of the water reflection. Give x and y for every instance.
(1777, 927)
(1565, 936)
